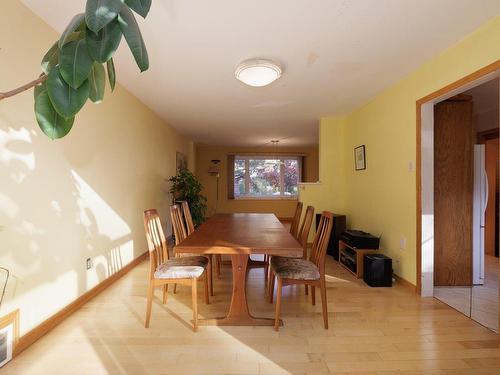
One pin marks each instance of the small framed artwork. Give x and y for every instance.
(9, 334)
(359, 158)
(180, 161)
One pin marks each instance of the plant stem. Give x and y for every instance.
(8, 94)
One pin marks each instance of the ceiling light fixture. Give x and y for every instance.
(258, 72)
(275, 143)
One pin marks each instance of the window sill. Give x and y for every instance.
(249, 198)
(309, 183)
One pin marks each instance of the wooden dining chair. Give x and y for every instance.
(181, 231)
(187, 217)
(290, 271)
(303, 236)
(305, 228)
(294, 227)
(164, 271)
(190, 229)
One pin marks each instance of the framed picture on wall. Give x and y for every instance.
(180, 161)
(9, 334)
(359, 158)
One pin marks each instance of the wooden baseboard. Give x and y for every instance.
(405, 283)
(46, 326)
(285, 220)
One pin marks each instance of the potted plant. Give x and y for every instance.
(186, 187)
(74, 68)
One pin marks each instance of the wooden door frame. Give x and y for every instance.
(489, 69)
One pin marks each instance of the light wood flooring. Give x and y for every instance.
(372, 331)
(481, 301)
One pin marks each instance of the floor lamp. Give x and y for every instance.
(214, 170)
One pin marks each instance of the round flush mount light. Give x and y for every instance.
(258, 72)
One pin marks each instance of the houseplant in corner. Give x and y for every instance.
(186, 187)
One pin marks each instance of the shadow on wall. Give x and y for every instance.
(51, 221)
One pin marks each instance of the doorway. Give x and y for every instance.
(460, 158)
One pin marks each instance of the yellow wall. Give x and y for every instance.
(382, 199)
(282, 208)
(328, 193)
(79, 197)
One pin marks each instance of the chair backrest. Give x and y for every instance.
(187, 217)
(294, 228)
(157, 244)
(305, 228)
(321, 240)
(178, 223)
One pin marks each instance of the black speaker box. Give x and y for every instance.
(377, 270)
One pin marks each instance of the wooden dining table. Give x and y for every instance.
(239, 235)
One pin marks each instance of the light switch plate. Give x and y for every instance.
(402, 243)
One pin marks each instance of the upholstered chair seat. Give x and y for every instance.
(294, 268)
(190, 267)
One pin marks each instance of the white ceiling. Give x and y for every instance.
(337, 54)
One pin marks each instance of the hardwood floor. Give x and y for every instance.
(372, 331)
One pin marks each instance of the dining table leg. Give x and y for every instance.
(238, 314)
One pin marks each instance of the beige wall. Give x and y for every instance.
(282, 208)
(79, 197)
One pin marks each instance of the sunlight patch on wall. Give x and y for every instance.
(8, 207)
(103, 225)
(13, 151)
(95, 211)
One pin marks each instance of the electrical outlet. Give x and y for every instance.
(402, 243)
(89, 263)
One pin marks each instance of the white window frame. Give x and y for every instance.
(282, 159)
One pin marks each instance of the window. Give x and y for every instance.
(266, 176)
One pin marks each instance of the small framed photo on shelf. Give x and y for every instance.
(359, 158)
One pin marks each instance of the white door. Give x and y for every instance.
(480, 199)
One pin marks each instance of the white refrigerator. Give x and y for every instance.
(480, 201)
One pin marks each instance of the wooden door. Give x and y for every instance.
(453, 188)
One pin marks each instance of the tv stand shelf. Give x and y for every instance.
(351, 258)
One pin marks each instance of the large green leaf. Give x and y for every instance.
(97, 81)
(66, 100)
(52, 124)
(70, 31)
(111, 73)
(139, 6)
(50, 59)
(133, 36)
(103, 45)
(75, 63)
(98, 13)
